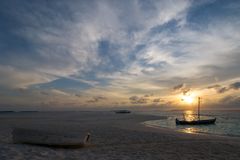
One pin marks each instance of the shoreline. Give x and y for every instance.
(217, 129)
(193, 133)
(113, 136)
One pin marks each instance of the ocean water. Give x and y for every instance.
(227, 123)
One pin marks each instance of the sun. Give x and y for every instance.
(187, 99)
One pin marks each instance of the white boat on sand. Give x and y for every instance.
(48, 139)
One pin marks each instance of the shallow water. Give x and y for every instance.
(227, 123)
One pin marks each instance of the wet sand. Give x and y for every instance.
(113, 136)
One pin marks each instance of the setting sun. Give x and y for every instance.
(187, 99)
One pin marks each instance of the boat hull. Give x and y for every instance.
(46, 139)
(195, 122)
(122, 111)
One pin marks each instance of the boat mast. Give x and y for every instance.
(199, 99)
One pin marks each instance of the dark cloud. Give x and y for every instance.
(178, 87)
(156, 100)
(235, 85)
(214, 86)
(100, 98)
(182, 88)
(91, 101)
(169, 103)
(21, 89)
(222, 90)
(148, 95)
(44, 93)
(219, 89)
(133, 98)
(141, 101)
(185, 91)
(97, 99)
(78, 95)
(138, 100)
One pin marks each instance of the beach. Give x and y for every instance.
(113, 137)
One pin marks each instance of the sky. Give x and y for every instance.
(62, 54)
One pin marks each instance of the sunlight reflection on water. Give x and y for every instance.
(189, 130)
(228, 123)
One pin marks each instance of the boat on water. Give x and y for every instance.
(196, 121)
(122, 111)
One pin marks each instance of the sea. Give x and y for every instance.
(227, 123)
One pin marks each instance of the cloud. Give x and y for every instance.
(59, 92)
(44, 93)
(138, 100)
(178, 87)
(120, 48)
(133, 98)
(67, 35)
(181, 88)
(235, 85)
(97, 99)
(230, 101)
(17, 78)
(222, 90)
(214, 86)
(78, 95)
(157, 100)
(149, 95)
(53, 93)
(231, 86)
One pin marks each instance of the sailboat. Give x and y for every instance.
(197, 121)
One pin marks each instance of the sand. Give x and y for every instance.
(113, 136)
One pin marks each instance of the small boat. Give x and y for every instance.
(197, 121)
(122, 111)
(48, 139)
